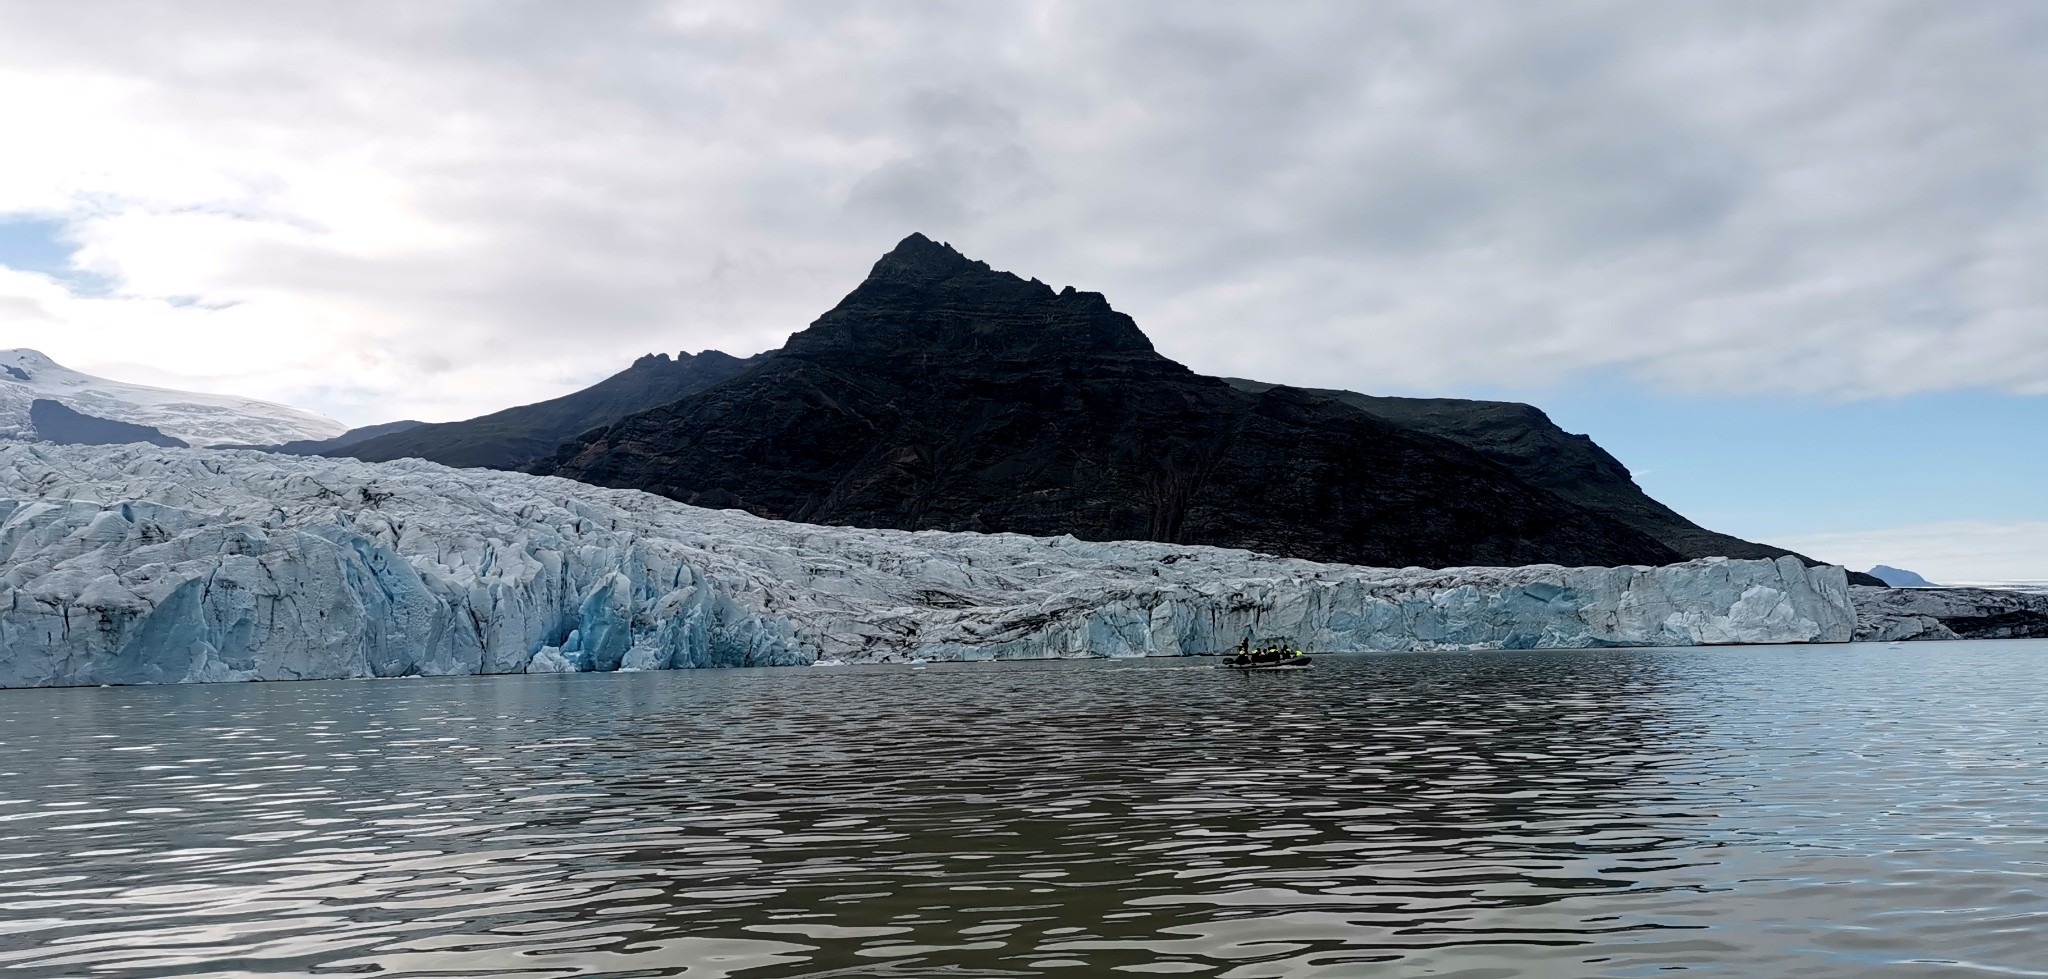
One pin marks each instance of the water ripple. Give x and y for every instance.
(1820, 812)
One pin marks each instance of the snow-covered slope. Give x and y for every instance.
(139, 564)
(195, 418)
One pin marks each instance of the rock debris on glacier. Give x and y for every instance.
(1932, 613)
(140, 564)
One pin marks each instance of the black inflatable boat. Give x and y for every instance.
(1250, 663)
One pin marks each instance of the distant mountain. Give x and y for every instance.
(314, 447)
(56, 423)
(188, 417)
(1523, 439)
(1899, 577)
(941, 394)
(517, 437)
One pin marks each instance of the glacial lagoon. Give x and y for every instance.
(1843, 811)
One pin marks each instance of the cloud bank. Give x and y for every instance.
(393, 209)
(1960, 552)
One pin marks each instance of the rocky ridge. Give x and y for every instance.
(314, 447)
(518, 437)
(1523, 439)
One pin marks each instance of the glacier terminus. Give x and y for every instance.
(139, 564)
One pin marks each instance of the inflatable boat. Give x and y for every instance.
(1250, 663)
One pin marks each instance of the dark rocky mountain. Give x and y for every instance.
(941, 394)
(56, 423)
(518, 437)
(314, 447)
(1523, 439)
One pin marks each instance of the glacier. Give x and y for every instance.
(137, 564)
(189, 416)
(1934, 613)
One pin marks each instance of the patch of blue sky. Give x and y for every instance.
(41, 245)
(1762, 467)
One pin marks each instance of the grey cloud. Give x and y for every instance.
(1741, 196)
(929, 192)
(964, 159)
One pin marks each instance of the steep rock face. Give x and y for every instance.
(1891, 614)
(55, 423)
(136, 565)
(1522, 439)
(517, 437)
(943, 395)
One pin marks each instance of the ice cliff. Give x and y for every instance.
(140, 564)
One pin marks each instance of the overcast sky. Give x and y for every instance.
(382, 210)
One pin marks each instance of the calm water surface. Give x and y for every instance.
(1846, 811)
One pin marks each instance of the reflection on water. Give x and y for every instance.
(1816, 812)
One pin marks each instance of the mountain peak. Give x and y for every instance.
(925, 298)
(917, 257)
(685, 358)
(22, 360)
